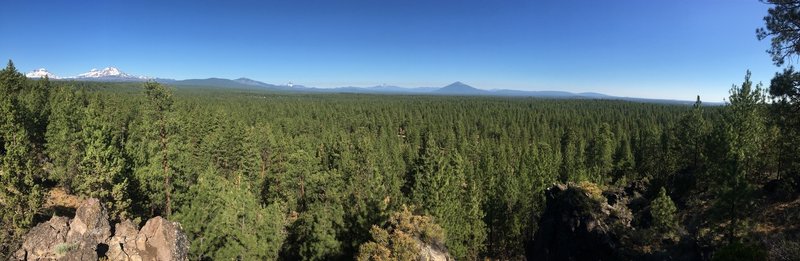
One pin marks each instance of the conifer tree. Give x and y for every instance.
(160, 102)
(738, 144)
(259, 149)
(781, 27)
(102, 172)
(663, 210)
(623, 162)
(601, 152)
(441, 191)
(20, 196)
(571, 162)
(226, 221)
(692, 131)
(64, 144)
(314, 235)
(34, 101)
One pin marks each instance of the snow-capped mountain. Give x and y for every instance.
(41, 73)
(109, 73)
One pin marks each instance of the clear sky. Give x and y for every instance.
(644, 48)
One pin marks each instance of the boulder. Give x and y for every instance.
(90, 229)
(429, 252)
(123, 245)
(43, 239)
(88, 237)
(159, 239)
(163, 240)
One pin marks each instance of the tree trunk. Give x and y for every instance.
(165, 165)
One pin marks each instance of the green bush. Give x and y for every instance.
(63, 248)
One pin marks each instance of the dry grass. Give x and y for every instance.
(57, 197)
(593, 190)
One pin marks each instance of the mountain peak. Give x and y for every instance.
(41, 73)
(109, 72)
(458, 83)
(460, 88)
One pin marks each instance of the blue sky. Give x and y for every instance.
(656, 48)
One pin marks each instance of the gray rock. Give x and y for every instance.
(88, 237)
(42, 240)
(123, 245)
(163, 240)
(90, 225)
(430, 253)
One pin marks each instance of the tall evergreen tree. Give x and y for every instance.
(20, 196)
(160, 101)
(600, 155)
(64, 144)
(571, 162)
(738, 143)
(782, 28)
(314, 235)
(226, 221)
(441, 190)
(102, 171)
(692, 131)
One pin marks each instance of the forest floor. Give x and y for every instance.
(779, 217)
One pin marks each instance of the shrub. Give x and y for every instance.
(63, 248)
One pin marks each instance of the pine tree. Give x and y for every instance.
(102, 172)
(571, 159)
(441, 191)
(738, 144)
(225, 221)
(160, 102)
(367, 189)
(64, 145)
(600, 155)
(692, 131)
(20, 196)
(623, 163)
(315, 233)
(784, 92)
(663, 210)
(259, 149)
(34, 101)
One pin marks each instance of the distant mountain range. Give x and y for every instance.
(105, 74)
(112, 74)
(41, 73)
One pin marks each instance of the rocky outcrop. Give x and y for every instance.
(159, 239)
(88, 237)
(43, 239)
(579, 224)
(123, 245)
(428, 252)
(89, 230)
